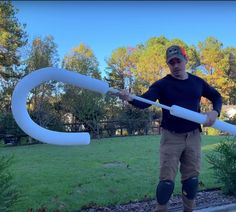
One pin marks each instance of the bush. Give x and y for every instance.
(212, 131)
(8, 192)
(7, 124)
(223, 163)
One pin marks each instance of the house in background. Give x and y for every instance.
(229, 110)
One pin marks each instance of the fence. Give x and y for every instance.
(116, 127)
(100, 129)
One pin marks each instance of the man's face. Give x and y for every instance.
(177, 67)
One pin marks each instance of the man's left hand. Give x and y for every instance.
(211, 118)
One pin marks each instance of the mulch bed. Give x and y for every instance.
(204, 199)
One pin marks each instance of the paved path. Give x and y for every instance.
(223, 208)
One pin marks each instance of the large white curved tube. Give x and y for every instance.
(34, 79)
(19, 99)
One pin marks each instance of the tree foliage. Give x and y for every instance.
(43, 53)
(82, 59)
(12, 37)
(223, 160)
(85, 106)
(119, 68)
(8, 191)
(216, 61)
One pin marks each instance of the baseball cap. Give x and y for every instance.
(175, 52)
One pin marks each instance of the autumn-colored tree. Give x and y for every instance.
(145, 64)
(151, 64)
(216, 62)
(124, 64)
(81, 59)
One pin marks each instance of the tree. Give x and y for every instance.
(193, 58)
(145, 64)
(231, 54)
(12, 37)
(120, 67)
(231, 72)
(85, 106)
(151, 64)
(81, 59)
(9, 193)
(43, 53)
(211, 54)
(120, 75)
(216, 61)
(150, 61)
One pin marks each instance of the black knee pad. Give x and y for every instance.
(189, 187)
(164, 190)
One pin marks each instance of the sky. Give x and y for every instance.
(107, 25)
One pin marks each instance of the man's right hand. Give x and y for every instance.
(124, 95)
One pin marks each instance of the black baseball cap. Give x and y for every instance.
(175, 52)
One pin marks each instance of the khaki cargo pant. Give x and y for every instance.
(182, 149)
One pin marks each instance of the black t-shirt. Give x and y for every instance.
(184, 93)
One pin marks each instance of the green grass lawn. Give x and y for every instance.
(108, 171)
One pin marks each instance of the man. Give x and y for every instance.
(180, 139)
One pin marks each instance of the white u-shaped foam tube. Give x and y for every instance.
(19, 99)
(21, 115)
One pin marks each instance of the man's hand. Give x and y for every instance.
(124, 95)
(211, 118)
